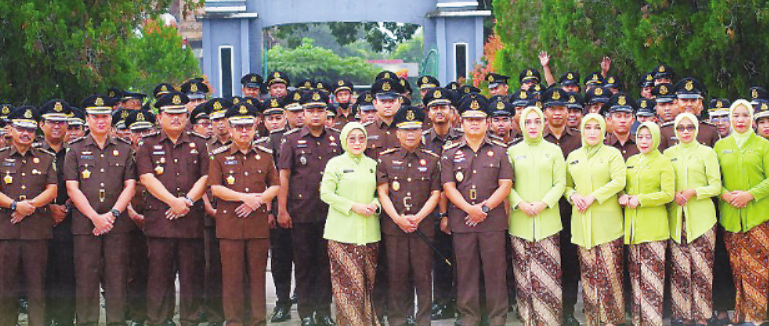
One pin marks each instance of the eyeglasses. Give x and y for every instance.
(243, 128)
(26, 130)
(359, 140)
(205, 124)
(688, 128)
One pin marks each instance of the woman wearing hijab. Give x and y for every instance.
(650, 186)
(692, 218)
(744, 160)
(352, 227)
(535, 222)
(595, 174)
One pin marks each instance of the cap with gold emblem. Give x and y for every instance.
(56, 110)
(689, 88)
(127, 96)
(719, 104)
(406, 86)
(140, 120)
(365, 102)
(387, 89)
(521, 98)
(115, 93)
(554, 97)
(118, 118)
(570, 78)
(305, 84)
(499, 107)
(291, 101)
(77, 118)
(621, 102)
(172, 103)
(646, 107)
(199, 113)
(5, 110)
(252, 80)
(495, 80)
(663, 71)
(195, 89)
(436, 96)
(386, 74)
(574, 101)
(427, 82)
(529, 75)
(278, 77)
(758, 93)
(217, 107)
(409, 117)
(761, 109)
(162, 89)
(453, 86)
(647, 80)
(98, 104)
(322, 84)
(272, 106)
(597, 95)
(314, 99)
(475, 107)
(342, 85)
(469, 89)
(663, 93)
(612, 82)
(241, 114)
(24, 116)
(594, 78)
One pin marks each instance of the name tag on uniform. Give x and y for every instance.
(727, 151)
(9, 163)
(301, 145)
(86, 157)
(230, 162)
(348, 171)
(573, 162)
(157, 147)
(398, 168)
(519, 157)
(159, 153)
(630, 167)
(422, 169)
(673, 159)
(373, 137)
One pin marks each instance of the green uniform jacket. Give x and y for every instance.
(654, 182)
(540, 177)
(697, 169)
(744, 169)
(603, 176)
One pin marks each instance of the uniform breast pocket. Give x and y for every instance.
(303, 156)
(9, 175)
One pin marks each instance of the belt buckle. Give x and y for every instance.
(22, 197)
(102, 195)
(473, 194)
(407, 203)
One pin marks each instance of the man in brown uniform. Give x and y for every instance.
(218, 107)
(29, 184)
(173, 165)
(477, 177)
(387, 101)
(101, 180)
(343, 95)
(60, 278)
(689, 94)
(244, 179)
(622, 114)
(408, 180)
(303, 156)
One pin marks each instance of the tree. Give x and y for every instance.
(382, 36)
(69, 48)
(309, 61)
(410, 51)
(720, 42)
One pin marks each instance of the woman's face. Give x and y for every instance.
(356, 142)
(685, 131)
(533, 124)
(644, 140)
(741, 119)
(592, 132)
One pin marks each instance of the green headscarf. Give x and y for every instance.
(522, 124)
(348, 128)
(592, 150)
(741, 138)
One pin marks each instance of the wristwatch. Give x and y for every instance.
(115, 212)
(13, 206)
(190, 201)
(442, 215)
(485, 208)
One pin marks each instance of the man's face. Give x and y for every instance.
(242, 133)
(574, 118)
(173, 122)
(135, 136)
(192, 104)
(386, 108)
(99, 124)
(74, 132)
(23, 136)
(501, 125)
(556, 116)
(343, 96)
(204, 127)
(499, 90)
(643, 119)
(409, 138)
(762, 126)
(219, 126)
(132, 104)
(667, 111)
(474, 126)
(275, 121)
(689, 105)
(254, 92)
(295, 118)
(646, 92)
(439, 113)
(722, 124)
(621, 121)
(526, 85)
(278, 90)
(594, 107)
(368, 116)
(571, 88)
(122, 133)
(54, 129)
(662, 81)
(315, 117)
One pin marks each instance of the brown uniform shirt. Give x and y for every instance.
(102, 174)
(340, 120)
(569, 141)
(177, 166)
(213, 143)
(412, 176)
(381, 137)
(252, 172)
(306, 157)
(706, 135)
(435, 143)
(476, 176)
(627, 149)
(24, 177)
(63, 230)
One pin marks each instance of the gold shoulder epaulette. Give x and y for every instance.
(220, 149)
(264, 149)
(388, 151)
(429, 152)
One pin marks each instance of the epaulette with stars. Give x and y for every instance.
(389, 151)
(154, 133)
(76, 140)
(291, 131)
(262, 140)
(452, 145)
(46, 151)
(264, 149)
(429, 152)
(220, 150)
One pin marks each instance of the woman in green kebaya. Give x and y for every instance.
(595, 174)
(535, 222)
(650, 186)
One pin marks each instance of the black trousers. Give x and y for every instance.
(281, 259)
